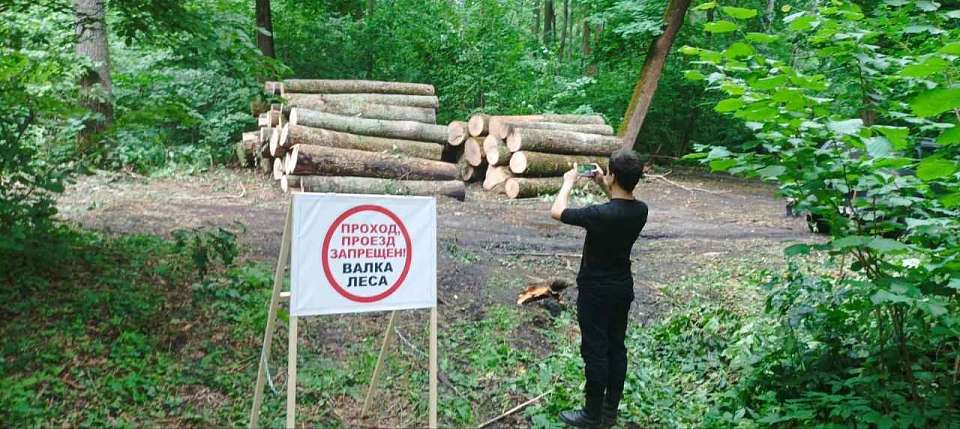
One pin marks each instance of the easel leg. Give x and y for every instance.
(433, 367)
(292, 374)
(376, 369)
(272, 317)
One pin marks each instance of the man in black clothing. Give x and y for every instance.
(604, 283)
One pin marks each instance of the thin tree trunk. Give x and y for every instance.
(549, 22)
(536, 18)
(265, 29)
(650, 73)
(586, 50)
(564, 31)
(96, 84)
(771, 12)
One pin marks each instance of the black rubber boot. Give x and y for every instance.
(579, 419)
(608, 418)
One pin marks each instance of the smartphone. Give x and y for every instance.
(587, 170)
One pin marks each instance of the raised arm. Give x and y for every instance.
(560, 204)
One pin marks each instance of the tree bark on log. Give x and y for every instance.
(301, 135)
(498, 123)
(473, 151)
(456, 133)
(535, 164)
(495, 177)
(520, 187)
(425, 101)
(369, 185)
(324, 86)
(328, 161)
(406, 130)
(502, 129)
(562, 142)
(650, 72)
(477, 125)
(496, 151)
(389, 112)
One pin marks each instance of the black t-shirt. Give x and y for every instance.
(612, 228)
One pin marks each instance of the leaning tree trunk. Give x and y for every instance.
(328, 161)
(650, 73)
(406, 130)
(95, 83)
(535, 164)
(388, 112)
(265, 28)
(370, 185)
(300, 135)
(498, 124)
(322, 86)
(502, 128)
(562, 142)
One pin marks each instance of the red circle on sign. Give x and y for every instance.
(326, 247)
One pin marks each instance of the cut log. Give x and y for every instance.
(271, 87)
(502, 128)
(263, 120)
(496, 151)
(565, 142)
(495, 178)
(247, 148)
(536, 164)
(273, 118)
(389, 112)
(265, 134)
(275, 149)
(278, 168)
(324, 86)
(522, 187)
(406, 130)
(469, 173)
(498, 122)
(477, 125)
(298, 134)
(473, 151)
(456, 133)
(424, 101)
(328, 161)
(370, 185)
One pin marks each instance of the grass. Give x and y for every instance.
(126, 332)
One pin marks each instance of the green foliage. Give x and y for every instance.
(844, 125)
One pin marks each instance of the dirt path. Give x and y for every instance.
(489, 245)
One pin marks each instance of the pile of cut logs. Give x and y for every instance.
(353, 136)
(524, 156)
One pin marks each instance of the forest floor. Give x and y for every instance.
(490, 247)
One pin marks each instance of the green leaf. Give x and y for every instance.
(722, 164)
(927, 5)
(772, 171)
(896, 135)
(802, 23)
(883, 296)
(688, 50)
(847, 127)
(935, 102)
(693, 75)
(761, 38)
(886, 245)
(935, 168)
(950, 49)
(950, 136)
(738, 50)
(706, 6)
(720, 26)
(769, 82)
(850, 241)
(928, 67)
(950, 200)
(739, 12)
(728, 105)
(878, 147)
(797, 249)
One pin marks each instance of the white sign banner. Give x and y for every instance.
(357, 253)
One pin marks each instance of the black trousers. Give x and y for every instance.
(602, 313)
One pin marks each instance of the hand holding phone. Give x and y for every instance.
(588, 170)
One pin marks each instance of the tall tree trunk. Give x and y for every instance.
(586, 50)
(536, 18)
(265, 29)
(771, 12)
(96, 84)
(549, 23)
(650, 73)
(564, 33)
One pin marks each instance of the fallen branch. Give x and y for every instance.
(514, 410)
(688, 189)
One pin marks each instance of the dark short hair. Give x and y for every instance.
(627, 168)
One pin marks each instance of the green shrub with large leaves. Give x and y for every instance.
(860, 125)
